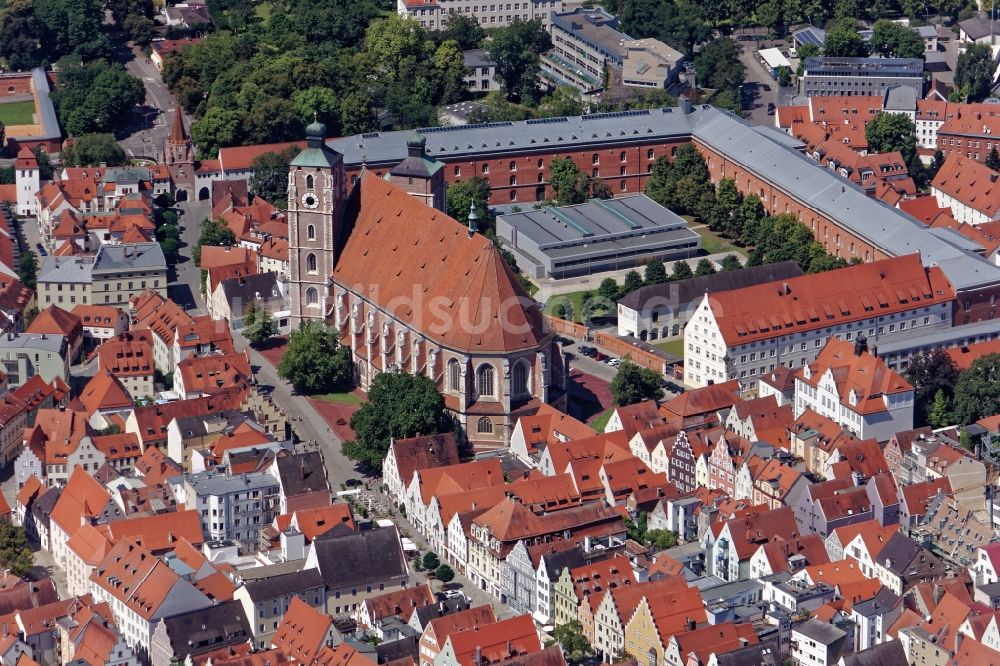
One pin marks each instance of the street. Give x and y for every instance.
(146, 141)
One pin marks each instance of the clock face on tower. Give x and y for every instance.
(309, 200)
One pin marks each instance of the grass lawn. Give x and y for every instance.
(338, 398)
(17, 113)
(675, 347)
(601, 421)
(713, 243)
(573, 300)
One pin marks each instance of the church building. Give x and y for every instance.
(410, 289)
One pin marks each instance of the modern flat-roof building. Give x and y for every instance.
(861, 76)
(600, 235)
(586, 44)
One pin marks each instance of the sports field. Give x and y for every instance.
(17, 113)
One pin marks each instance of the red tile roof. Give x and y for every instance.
(54, 320)
(83, 497)
(303, 632)
(158, 533)
(241, 157)
(397, 603)
(210, 374)
(814, 301)
(128, 354)
(104, 391)
(384, 261)
(496, 642)
(970, 182)
(702, 401)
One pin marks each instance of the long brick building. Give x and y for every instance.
(620, 148)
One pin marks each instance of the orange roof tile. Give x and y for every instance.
(303, 632)
(398, 602)
(83, 497)
(128, 354)
(813, 301)
(90, 544)
(861, 379)
(104, 391)
(136, 578)
(54, 320)
(210, 374)
(969, 182)
(496, 642)
(158, 533)
(31, 489)
(383, 261)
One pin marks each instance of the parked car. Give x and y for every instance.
(587, 351)
(614, 362)
(770, 109)
(601, 356)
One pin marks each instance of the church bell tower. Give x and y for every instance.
(316, 194)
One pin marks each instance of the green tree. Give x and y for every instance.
(681, 271)
(320, 103)
(95, 97)
(258, 325)
(430, 561)
(575, 646)
(894, 40)
(661, 539)
(27, 268)
(939, 416)
(559, 311)
(887, 132)
(929, 373)
(731, 262)
(72, 26)
(632, 282)
(806, 51)
(444, 573)
(634, 383)
(718, 65)
(269, 177)
(3, 138)
(564, 101)
(357, 113)
(93, 150)
(571, 186)
(45, 170)
(704, 267)
(843, 40)
(399, 405)
(15, 553)
(274, 119)
(461, 197)
(993, 160)
(464, 30)
(218, 128)
(608, 290)
(315, 362)
(140, 30)
(21, 34)
(974, 72)
(213, 232)
(784, 77)
(655, 272)
(977, 391)
(516, 50)
(450, 71)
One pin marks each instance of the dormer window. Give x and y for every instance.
(853, 397)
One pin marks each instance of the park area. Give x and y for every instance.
(17, 113)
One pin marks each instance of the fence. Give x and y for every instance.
(564, 327)
(638, 356)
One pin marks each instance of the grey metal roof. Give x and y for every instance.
(543, 135)
(216, 483)
(819, 631)
(599, 226)
(684, 291)
(775, 134)
(900, 98)
(883, 226)
(198, 631)
(45, 341)
(283, 584)
(595, 27)
(261, 286)
(359, 559)
(66, 270)
(47, 111)
(978, 27)
(880, 604)
(890, 653)
(128, 257)
(476, 58)
(939, 337)
(302, 473)
(828, 66)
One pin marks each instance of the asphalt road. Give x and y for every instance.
(153, 120)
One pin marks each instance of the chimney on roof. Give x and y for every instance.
(477, 659)
(785, 289)
(860, 344)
